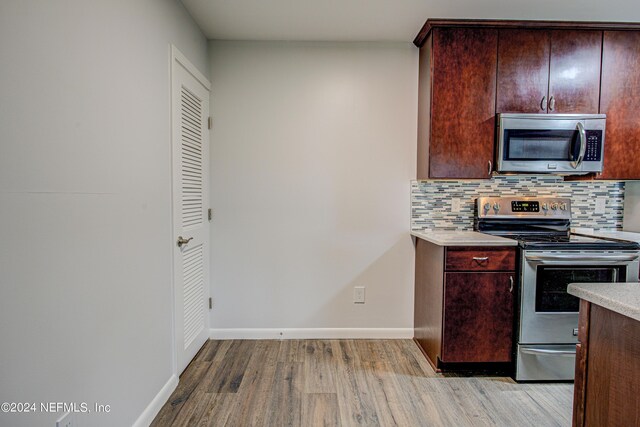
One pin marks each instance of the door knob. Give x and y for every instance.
(183, 241)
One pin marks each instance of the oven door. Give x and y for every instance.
(549, 315)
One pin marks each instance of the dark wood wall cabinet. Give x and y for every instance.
(548, 71)
(464, 303)
(471, 70)
(620, 101)
(607, 380)
(457, 89)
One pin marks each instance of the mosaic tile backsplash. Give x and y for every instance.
(432, 202)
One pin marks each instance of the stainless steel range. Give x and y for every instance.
(550, 258)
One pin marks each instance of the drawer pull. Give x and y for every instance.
(544, 351)
(481, 258)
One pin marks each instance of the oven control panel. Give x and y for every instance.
(529, 207)
(525, 206)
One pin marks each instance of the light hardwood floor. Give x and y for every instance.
(349, 383)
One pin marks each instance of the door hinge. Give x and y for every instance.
(209, 214)
(210, 303)
(209, 122)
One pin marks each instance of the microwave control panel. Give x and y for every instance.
(594, 146)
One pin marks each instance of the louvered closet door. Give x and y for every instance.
(190, 99)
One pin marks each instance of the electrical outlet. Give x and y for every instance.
(67, 420)
(601, 203)
(358, 295)
(455, 205)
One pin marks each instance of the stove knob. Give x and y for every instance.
(554, 206)
(487, 206)
(563, 206)
(496, 207)
(545, 207)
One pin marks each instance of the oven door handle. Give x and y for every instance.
(545, 351)
(580, 259)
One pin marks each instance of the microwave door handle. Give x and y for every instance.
(583, 145)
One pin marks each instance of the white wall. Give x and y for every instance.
(313, 150)
(85, 261)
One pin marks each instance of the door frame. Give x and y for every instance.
(178, 59)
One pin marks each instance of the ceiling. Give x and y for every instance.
(380, 20)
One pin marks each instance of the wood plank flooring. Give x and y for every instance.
(349, 383)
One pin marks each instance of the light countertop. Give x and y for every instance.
(609, 234)
(463, 238)
(623, 298)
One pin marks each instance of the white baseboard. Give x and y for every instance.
(156, 404)
(310, 333)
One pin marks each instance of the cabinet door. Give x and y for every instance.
(463, 102)
(574, 73)
(620, 101)
(580, 382)
(613, 370)
(478, 317)
(523, 71)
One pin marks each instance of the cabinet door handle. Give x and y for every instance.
(543, 104)
(510, 283)
(490, 168)
(552, 103)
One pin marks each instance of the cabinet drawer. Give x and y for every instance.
(480, 259)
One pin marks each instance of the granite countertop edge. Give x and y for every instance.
(462, 238)
(622, 298)
(630, 236)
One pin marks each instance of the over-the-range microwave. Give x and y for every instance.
(563, 144)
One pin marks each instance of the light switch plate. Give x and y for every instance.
(601, 204)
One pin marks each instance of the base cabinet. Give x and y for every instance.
(464, 303)
(607, 381)
(478, 317)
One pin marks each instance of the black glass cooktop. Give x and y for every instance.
(569, 242)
